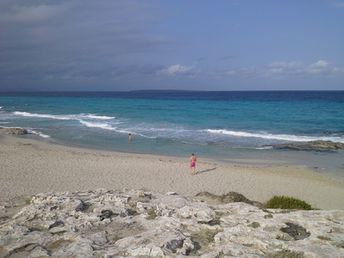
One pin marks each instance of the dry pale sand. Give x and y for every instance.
(30, 166)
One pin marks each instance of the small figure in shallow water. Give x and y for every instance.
(130, 137)
(193, 160)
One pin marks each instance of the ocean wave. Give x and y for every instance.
(64, 117)
(88, 120)
(281, 137)
(105, 126)
(92, 116)
(27, 114)
(264, 148)
(38, 133)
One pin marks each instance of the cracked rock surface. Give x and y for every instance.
(135, 223)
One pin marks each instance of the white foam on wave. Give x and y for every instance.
(136, 133)
(281, 137)
(38, 133)
(264, 148)
(27, 114)
(64, 117)
(105, 126)
(88, 120)
(91, 116)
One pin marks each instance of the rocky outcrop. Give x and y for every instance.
(311, 146)
(14, 130)
(225, 198)
(134, 223)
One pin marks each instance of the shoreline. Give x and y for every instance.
(234, 160)
(32, 166)
(326, 161)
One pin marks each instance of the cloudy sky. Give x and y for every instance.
(193, 45)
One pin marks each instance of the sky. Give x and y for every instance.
(117, 45)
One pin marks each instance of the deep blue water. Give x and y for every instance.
(212, 124)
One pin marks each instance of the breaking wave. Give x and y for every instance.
(38, 133)
(105, 126)
(281, 137)
(110, 123)
(63, 117)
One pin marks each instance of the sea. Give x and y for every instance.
(231, 126)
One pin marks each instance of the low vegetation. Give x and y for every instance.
(286, 202)
(286, 254)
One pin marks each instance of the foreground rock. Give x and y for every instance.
(311, 146)
(135, 223)
(14, 130)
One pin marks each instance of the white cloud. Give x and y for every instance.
(338, 70)
(284, 69)
(320, 64)
(320, 67)
(278, 68)
(177, 69)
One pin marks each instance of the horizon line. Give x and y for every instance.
(156, 90)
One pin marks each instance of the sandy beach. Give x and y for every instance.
(29, 166)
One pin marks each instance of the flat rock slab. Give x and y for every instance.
(295, 231)
(311, 146)
(14, 130)
(135, 223)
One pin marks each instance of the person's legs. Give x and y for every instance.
(193, 168)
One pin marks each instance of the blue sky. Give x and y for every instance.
(193, 45)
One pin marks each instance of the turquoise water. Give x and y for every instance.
(224, 125)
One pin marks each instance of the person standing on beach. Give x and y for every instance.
(193, 160)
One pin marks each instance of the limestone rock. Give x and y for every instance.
(14, 130)
(225, 198)
(135, 223)
(295, 231)
(174, 244)
(311, 146)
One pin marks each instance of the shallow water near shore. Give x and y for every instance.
(226, 126)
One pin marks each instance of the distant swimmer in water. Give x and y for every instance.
(130, 137)
(193, 160)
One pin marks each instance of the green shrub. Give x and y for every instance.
(286, 202)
